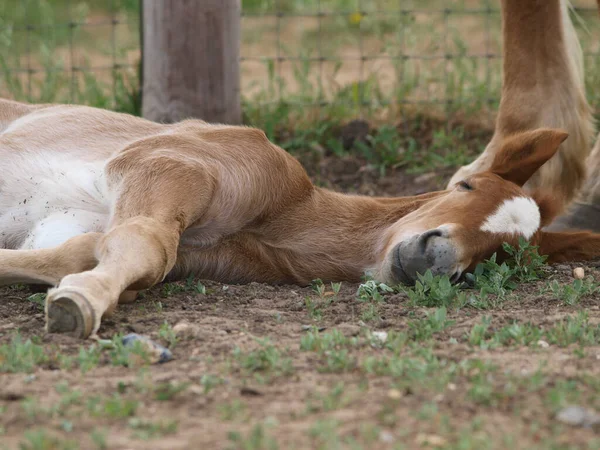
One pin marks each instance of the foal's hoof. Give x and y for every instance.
(579, 216)
(69, 312)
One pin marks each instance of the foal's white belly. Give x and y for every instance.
(47, 198)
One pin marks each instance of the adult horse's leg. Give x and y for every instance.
(543, 86)
(584, 212)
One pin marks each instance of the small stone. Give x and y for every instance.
(386, 436)
(432, 440)
(381, 336)
(156, 352)
(394, 394)
(543, 344)
(29, 378)
(578, 273)
(578, 416)
(451, 387)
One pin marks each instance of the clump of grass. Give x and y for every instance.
(257, 439)
(434, 322)
(167, 334)
(571, 294)
(524, 264)
(267, 359)
(41, 439)
(574, 330)
(21, 355)
(146, 429)
(434, 291)
(319, 342)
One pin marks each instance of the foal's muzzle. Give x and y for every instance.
(432, 250)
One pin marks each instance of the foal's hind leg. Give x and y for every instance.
(48, 265)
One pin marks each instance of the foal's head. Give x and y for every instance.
(467, 223)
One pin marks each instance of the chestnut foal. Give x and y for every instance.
(100, 205)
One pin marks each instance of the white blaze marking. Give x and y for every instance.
(518, 215)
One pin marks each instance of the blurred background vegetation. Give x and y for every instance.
(308, 66)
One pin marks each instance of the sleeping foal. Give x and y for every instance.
(101, 205)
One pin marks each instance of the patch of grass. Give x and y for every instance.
(373, 291)
(167, 334)
(257, 439)
(233, 410)
(98, 437)
(480, 332)
(21, 356)
(136, 354)
(325, 434)
(525, 261)
(434, 322)
(571, 294)
(434, 291)
(518, 334)
(570, 330)
(337, 361)
(574, 330)
(146, 429)
(40, 439)
(490, 277)
(563, 393)
(267, 358)
(38, 299)
(113, 407)
(332, 400)
(321, 342)
(168, 391)
(316, 307)
(209, 382)
(89, 358)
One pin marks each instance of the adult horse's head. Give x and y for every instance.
(458, 228)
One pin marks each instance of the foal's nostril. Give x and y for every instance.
(424, 238)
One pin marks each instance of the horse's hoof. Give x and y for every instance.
(579, 216)
(69, 312)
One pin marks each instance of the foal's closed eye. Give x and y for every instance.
(463, 185)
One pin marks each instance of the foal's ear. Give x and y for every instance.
(522, 154)
(569, 245)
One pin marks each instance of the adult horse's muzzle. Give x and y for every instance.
(432, 250)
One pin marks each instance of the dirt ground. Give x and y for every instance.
(287, 367)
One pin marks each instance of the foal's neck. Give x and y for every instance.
(349, 232)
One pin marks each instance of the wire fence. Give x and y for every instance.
(365, 55)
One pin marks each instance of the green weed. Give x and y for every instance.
(21, 356)
(257, 439)
(434, 322)
(40, 439)
(267, 358)
(146, 429)
(434, 291)
(167, 334)
(571, 294)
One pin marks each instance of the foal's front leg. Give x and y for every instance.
(135, 254)
(157, 198)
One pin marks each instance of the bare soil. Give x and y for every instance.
(437, 392)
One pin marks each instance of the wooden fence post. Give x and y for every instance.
(191, 60)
